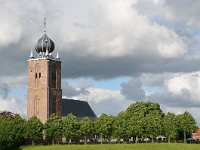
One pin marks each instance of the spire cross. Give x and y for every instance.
(45, 25)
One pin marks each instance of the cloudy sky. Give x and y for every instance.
(113, 52)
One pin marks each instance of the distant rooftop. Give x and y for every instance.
(78, 108)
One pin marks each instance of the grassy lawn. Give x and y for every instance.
(117, 147)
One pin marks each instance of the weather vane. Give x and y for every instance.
(45, 25)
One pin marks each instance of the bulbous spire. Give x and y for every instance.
(44, 44)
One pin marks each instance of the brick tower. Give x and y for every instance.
(44, 81)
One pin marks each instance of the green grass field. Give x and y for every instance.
(117, 147)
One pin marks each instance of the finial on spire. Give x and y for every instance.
(47, 52)
(57, 56)
(45, 25)
(31, 55)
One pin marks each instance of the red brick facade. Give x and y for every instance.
(44, 88)
(196, 135)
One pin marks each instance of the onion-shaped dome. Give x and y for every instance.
(44, 43)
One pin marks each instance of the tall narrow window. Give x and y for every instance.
(54, 76)
(40, 75)
(36, 106)
(37, 71)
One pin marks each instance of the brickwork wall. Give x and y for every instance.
(43, 99)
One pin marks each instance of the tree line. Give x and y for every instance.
(139, 121)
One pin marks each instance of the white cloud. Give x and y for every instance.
(174, 90)
(117, 31)
(159, 2)
(132, 90)
(105, 39)
(10, 29)
(105, 100)
(15, 81)
(179, 110)
(183, 10)
(185, 83)
(155, 80)
(17, 17)
(71, 90)
(178, 11)
(91, 33)
(171, 48)
(14, 105)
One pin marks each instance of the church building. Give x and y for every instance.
(44, 85)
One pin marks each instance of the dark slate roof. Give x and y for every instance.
(78, 108)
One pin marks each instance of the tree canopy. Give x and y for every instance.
(170, 126)
(103, 126)
(53, 127)
(70, 127)
(12, 129)
(186, 124)
(86, 128)
(34, 129)
(140, 120)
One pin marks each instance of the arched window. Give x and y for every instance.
(36, 106)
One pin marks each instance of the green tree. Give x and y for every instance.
(141, 120)
(170, 126)
(143, 108)
(135, 126)
(103, 126)
(70, 127)
(154, 124)
(120, 126)
(34, 129)
(53, 127)
(187, 124)
(11, 131)
(86, 128)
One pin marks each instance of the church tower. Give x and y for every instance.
(44, 81)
